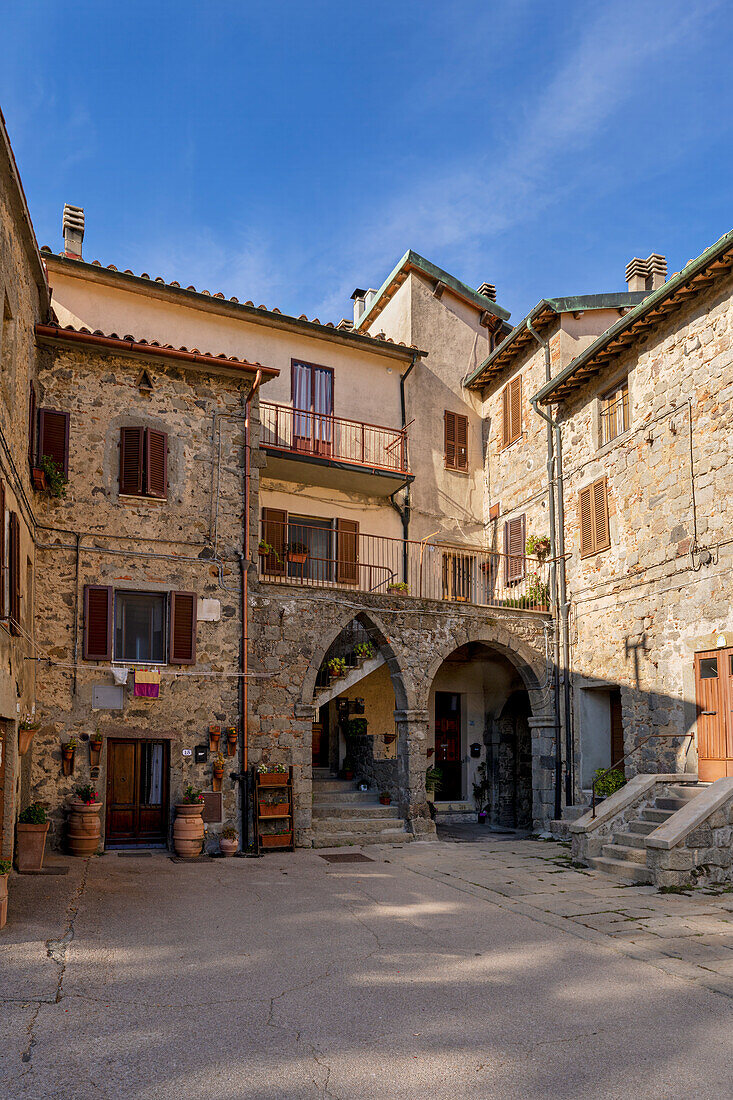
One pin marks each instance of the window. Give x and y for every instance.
(455, 441)
(614, 412)
(511, 411)
(140, 627)
(143, 462)
(514, 548)
(593, 518)
(53, 437)
(312, 394)
(310, 548)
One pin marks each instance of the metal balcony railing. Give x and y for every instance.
(297, 431)
(327, 556)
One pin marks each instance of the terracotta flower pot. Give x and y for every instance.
(188, 829)
(275, 810)
(348, 775)
(228, 847)
(31, 846)
(298, 558)
(3, 900)
(385, 799)
(272, 779)
(276, 840)
(218, 773)
(85, 827)
(24, 740)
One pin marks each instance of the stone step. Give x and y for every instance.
(356, 825)
(323, 810)
(667, 802)
(642, 828)
(686, 791)
(622, 869)
(655, 815)
(357, 840)
(629, 853)
(630, 839)
(347, 797)
(333, 785)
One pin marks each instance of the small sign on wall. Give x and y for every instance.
(187, 752)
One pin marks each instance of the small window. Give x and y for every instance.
(709, 668)
(614, 412)
(143, 462)
(455, 441)
(593, 518)
(511, 411)
(140, 626)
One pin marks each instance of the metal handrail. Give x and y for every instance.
(613, 767)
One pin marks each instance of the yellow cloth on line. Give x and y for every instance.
(147, 676)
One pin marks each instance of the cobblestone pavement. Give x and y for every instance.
(443, 970)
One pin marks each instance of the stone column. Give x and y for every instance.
(412, 763)
(302, 752)
(542, 731)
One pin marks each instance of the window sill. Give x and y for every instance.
(604, 448)
(508, 446)
(457, 470)
(129, 498)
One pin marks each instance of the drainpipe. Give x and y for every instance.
(244, 563)
(557, 549)
(404, 512)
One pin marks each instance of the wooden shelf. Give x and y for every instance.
(265, 840)
(274, 817)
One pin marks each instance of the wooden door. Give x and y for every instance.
(448, 745)
(714, 691)
(137, 792)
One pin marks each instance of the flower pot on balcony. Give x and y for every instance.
(85, 827)
(297, 557)
(188, 829)
(31, 846)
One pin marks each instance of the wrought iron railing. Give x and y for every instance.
(333, 437)
(330, 555)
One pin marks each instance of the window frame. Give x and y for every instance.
(596, 546)
(620, 384)
(144, 477)
(165, 598)
(456, 466)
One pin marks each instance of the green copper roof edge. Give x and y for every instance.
(649, 302)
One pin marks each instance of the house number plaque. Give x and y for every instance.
(188, 752)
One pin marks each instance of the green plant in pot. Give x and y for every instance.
(228, 841)
(606, 783)
(398, 586)
(56, 479)
(364, 651)
(337, 667)
(538, 546)
(31, 834)
(433, 781)
(348, 768)
(298, 552)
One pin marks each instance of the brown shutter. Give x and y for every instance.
(275, 534)
(515, 411)
(156, 463)
(131, 460)
(514, 546)
(14, 533)
(32, 425)
(347, 551)
(183, 628)
(449, 447)
(461, 442)
(97, 622)
(53, 437)
(601, 534)
(506, 425)
(585, 520)
(3, 609)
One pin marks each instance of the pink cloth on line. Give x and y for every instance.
(150, 690)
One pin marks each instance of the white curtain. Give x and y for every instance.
(323, 403)
(302, 399)
(156, 776)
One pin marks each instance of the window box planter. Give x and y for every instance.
(85, 827)
(276, 840)
(275, 809)
(31, 846)
(272, 779)
(188, 829)
(297, 557)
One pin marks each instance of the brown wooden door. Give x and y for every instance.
(448, 744)
(714, 691)
(137, 792)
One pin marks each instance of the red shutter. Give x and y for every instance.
(3, 566)
(347, 551)
(53, 437)
(97, 622)
(14, 532)
(183, 628)
(275, 534)
(32, 425)
(450, 439)
(514, 541)
(156, 463)
(131, 461)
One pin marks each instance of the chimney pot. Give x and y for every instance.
(73, 227)
(358, 299)
(648, 274)
(488, 290)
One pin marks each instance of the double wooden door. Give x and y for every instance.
(137, 792)
(448, 745)
(714, 690)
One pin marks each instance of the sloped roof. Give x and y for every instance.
(411, 261)
(695, 277)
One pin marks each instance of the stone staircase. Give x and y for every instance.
(625, 856)
(343, 815)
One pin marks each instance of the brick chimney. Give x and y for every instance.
(488, 290)
(648, 274)
(73, 224)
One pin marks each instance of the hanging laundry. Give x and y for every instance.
(120, 675)
(147, 682)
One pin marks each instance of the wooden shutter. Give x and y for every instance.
(511, 411)
(97, 622)
(449, 447)
(347, 551)
(275, 533)
(593, 518)
(514, 548)
(506, 424)
(3, 566)
(14, 564)
(461, 441)
(32, 425)
(183, 628)
(53, 437)
(132, 441)
(156, 463)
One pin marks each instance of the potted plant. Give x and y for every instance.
(274, 775)
(267, 550)
(389, 738)
(336, 667)
(68, 751)
(276, 840)
(398, 586)
(538, 594)
(188, 828)
(348, 769)
(5, 866)
(538, 546)
(385, 798)
(56, 479)
(85, 827)
(39, 479)
(228, 841)
(298, 552)
(217, 767)
(357, 727)
(31, 837)
(232, 739)
(26, 731)
(364, 652)
(214, 738)
(607, 783)
(275, 805)
(433, 782)
(95, 748)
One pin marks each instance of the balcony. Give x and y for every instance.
(340, 453)
(335, 555)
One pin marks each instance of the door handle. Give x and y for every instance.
(708, 713)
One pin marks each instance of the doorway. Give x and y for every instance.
(137, 793)
(448, 745)
(714, 692)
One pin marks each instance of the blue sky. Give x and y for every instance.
(288, 152)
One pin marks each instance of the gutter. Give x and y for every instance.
(557, 550)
